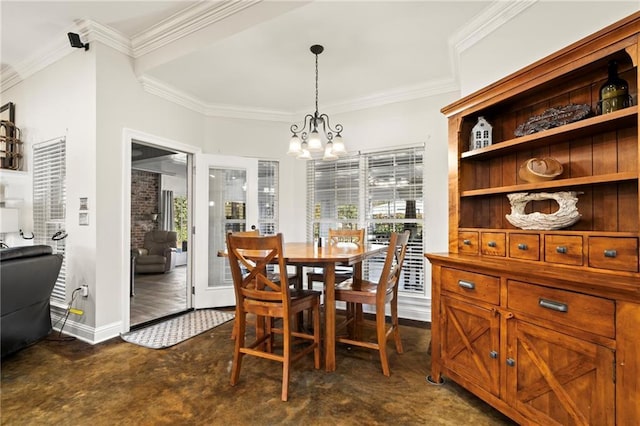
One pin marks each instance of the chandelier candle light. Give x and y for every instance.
(306, 139)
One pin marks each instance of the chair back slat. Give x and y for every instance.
(249, 255)
(355, 236)
(393, 263)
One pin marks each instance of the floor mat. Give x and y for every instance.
(178, 329)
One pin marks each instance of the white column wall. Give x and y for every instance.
(123, 104)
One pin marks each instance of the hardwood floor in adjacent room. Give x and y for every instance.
(158, 295)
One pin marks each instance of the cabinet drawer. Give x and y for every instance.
(469, 284)
(588, 313)
(468, 242)
(566, 249)
(493, 244)
(524, 246)
(620, 254)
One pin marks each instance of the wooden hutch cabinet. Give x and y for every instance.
(543, 324)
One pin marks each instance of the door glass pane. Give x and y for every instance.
(227, 212)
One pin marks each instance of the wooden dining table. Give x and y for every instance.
(310, 255)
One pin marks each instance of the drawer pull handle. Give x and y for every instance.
(553, 305)
(493, 354)
(466, 242)
(511, 362)
(523, 246)
(492, 244)
(467, 284)
(561, 249)
(610, 253)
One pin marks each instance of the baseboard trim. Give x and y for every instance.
(87, 333)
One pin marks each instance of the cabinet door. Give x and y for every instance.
(553, 378)
(470, 343)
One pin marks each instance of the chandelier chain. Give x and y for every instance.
(316, 84)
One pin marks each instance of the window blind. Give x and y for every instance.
(268, 196)
(382, 191)
(394, 193)
(334, 196)
(49, 202)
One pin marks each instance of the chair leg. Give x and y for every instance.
(395, 325)
(234, 331)
(382, 340)
(239, 343)
(286, 361)
(316, 336)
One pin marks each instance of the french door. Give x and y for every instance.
(226, 200)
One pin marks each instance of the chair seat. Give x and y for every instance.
(359, 286)
(359, 291)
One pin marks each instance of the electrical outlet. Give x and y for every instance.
(85, 290)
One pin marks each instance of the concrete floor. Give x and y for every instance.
(112, 383)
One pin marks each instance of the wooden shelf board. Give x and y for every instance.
(552, 184)
(588, 126)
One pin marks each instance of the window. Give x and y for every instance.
(267, 196)
(382, 192)
(49, 202)
(180, 217)
(336, 196)
(394, 194)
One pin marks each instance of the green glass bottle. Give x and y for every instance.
(614, 93)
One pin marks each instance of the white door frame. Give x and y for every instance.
(128, 137)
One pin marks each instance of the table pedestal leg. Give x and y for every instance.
(330, 316)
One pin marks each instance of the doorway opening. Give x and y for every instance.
(159, 281)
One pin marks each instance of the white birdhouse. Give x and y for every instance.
(481, 134)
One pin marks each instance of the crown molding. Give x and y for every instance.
(158, 88)
(108, 36)
(171, 94)
(203, 14)
(403, 94)
(179, 97)
(491, 18)
(44, 57)
(89, 31)
(184, 23)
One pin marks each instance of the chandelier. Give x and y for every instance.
(307, 139)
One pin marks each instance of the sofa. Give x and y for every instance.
(27, 277)
(158, 253)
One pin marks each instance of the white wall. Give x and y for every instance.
(60, 101)
(542, 29)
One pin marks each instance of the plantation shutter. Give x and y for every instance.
(49, 202)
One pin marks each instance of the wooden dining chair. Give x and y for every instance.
(385, 291)
(257, 294)
(294, 279)
(337, 237)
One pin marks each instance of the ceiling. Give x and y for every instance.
(252, 57)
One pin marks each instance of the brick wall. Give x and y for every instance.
(145, 187)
